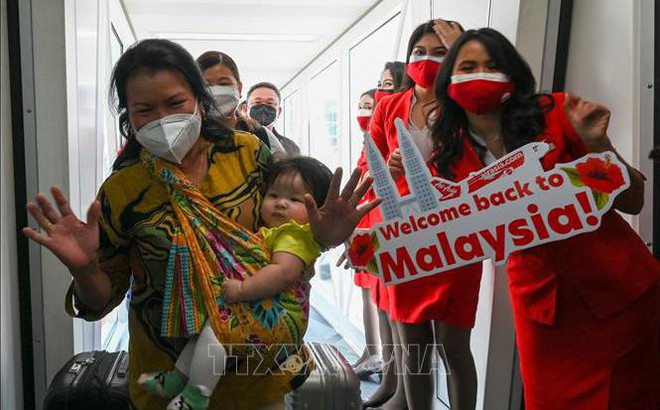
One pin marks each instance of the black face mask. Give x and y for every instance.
(264, 114)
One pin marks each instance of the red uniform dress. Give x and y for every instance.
(587, 309)
(451, 296)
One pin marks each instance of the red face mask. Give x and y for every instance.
(424, 69)
(382, 93)
(363, 118)
(480, 93)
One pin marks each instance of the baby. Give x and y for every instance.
(289, 238)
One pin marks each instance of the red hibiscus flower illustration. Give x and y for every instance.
(600, 175)
(361, 250)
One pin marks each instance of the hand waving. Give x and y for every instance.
(448, 31)
(74, 242)
(337, 218)
(590, 121)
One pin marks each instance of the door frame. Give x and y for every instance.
(655, 85)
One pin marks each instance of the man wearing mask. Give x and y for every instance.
(263, 104)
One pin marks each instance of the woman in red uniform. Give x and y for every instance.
(445, 303)
(587, 309)
(370, 361)
(374, 297)
(391, 79)
(390, 82)
(375, 303)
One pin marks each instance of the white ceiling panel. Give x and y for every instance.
(270, 40)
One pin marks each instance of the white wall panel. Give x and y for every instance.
(607, 64)
(600, 63)
(472, 14)
(52, 149)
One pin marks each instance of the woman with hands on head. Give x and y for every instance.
(433, 311)
(176, 157)
(586, 309)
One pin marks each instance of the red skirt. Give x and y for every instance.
(584, 363)
(450, 297)
(379, 295)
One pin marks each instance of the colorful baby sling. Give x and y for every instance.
(206, 248)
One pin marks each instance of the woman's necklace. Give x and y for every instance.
(196, 173)
(486, 138)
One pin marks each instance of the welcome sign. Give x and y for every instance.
(510, 205)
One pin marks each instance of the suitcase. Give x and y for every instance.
(91, 380)
(332, 384)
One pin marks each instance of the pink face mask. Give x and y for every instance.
(424, 69)
(480, 93)
(363, 118)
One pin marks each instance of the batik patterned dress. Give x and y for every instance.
(137, 226)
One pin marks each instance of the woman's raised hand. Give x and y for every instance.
(395, 163)
(334, 222)
(74, 242)
(590, 121)
(343, 260)
(448, 31)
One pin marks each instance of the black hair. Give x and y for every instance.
(154, 55)
(523, 114)
(252, 126)
(265, 84)
(371, 93)
(398, 71)
(417, 34)
(212, 58)
(313, 172)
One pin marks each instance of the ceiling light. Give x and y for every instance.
(275, 38)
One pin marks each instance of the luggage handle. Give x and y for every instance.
(122, 370)
(78, 365)
(122, 366)
(119, 367)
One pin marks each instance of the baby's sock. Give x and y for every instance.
(192, 398)
(164, 384)
(207, 365)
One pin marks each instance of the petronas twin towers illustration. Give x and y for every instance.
(417, 175)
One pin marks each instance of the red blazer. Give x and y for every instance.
(610, 267)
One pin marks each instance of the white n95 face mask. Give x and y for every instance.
(171, 137)
(226, 98)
